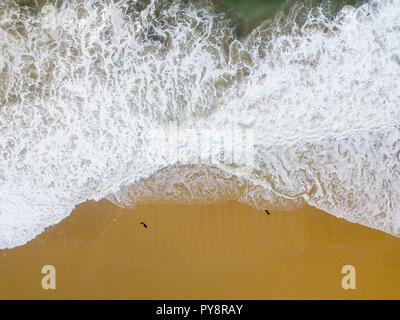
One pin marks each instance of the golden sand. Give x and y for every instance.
(227, 251)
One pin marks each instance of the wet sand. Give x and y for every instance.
(224, 251)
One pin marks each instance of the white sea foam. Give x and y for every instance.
(82, 95)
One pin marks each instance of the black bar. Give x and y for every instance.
(203, 309)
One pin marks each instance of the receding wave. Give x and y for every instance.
(88, 90)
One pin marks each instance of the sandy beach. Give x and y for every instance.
(225, 251)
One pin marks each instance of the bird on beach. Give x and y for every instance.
(267, 212)
(144, 225)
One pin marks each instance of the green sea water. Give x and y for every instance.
(245, 14)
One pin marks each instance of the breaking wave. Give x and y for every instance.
(87, 89)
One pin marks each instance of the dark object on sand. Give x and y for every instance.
(144, 225)
(267, 212)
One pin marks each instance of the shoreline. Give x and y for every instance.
(221, 251)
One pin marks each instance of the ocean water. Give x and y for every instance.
(120, 99)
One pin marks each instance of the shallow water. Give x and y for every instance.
(89, 90)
